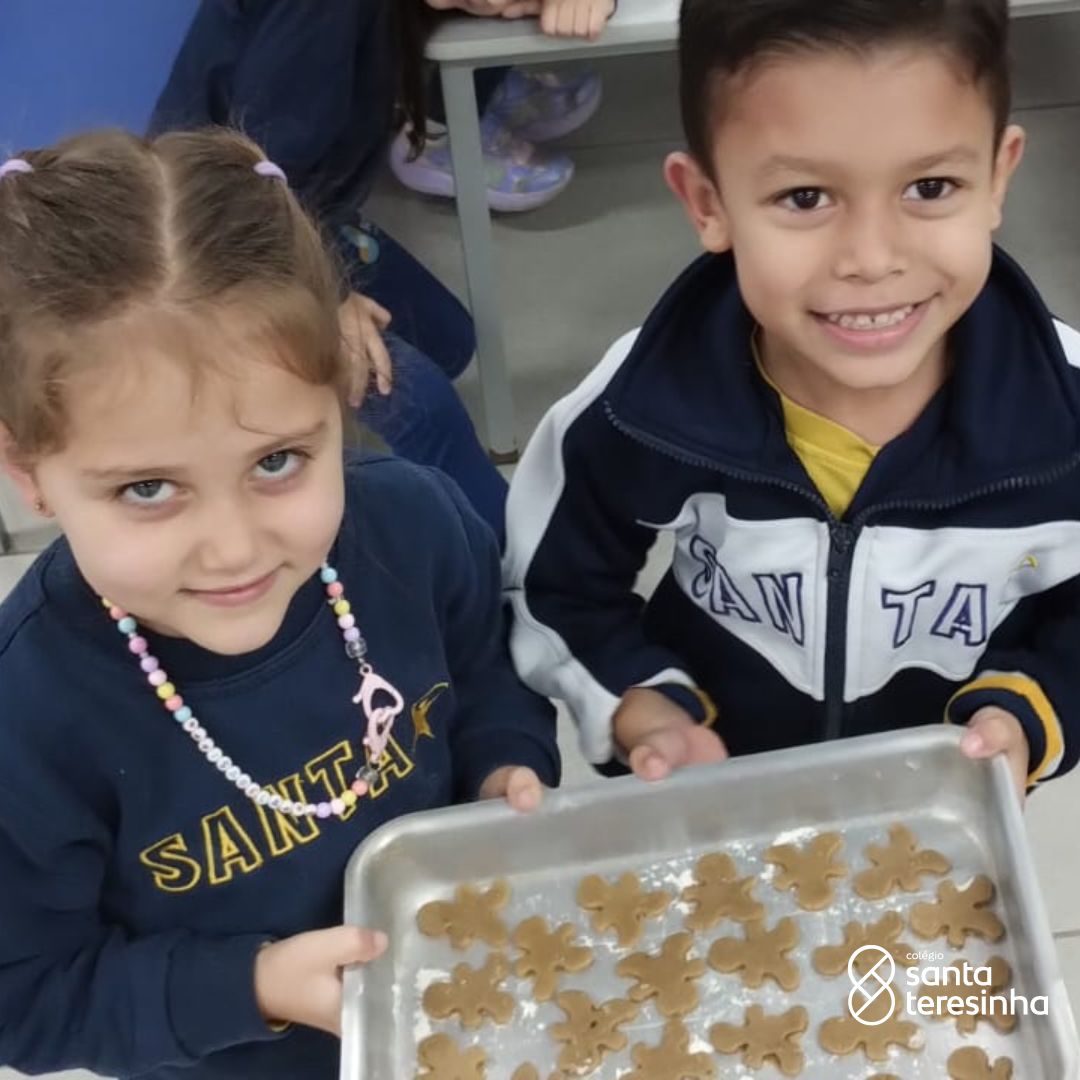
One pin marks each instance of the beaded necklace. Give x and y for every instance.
(379, 719)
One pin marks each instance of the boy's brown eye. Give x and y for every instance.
(805, 198)
(933, 188)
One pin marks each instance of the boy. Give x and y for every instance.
(855, 416)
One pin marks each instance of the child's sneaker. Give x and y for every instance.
(519, 177)
(543, 105)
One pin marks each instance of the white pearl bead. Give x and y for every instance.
(225, 764)
(263, 798)
(232, 773)
(252, 790)
(274, 802)
(287, 807)
(206, 745)
(215, 755)
(190, 724)
(198, 734)
(243, 781)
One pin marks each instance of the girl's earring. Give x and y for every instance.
(41, 508)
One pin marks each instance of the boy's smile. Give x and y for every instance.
(859, 193)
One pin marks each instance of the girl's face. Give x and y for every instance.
(199, 504)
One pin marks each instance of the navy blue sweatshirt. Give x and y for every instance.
(951, 582)
(137, 882)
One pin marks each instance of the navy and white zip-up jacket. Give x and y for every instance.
(952, 582)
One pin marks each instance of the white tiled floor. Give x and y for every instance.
(621, 151)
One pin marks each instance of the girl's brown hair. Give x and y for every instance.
(109, 225)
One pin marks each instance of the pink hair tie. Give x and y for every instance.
(268, 168)
(15, 165)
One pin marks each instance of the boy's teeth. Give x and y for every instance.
(881, 321)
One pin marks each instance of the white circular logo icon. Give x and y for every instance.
(880, 982)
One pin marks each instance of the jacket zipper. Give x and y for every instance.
(842, 539)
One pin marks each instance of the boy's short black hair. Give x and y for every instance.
(720, 38)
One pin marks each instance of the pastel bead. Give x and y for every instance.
(116, 612)
(138, 645)
(328, 575)
(342, 607)
(348, 798)
(337, 807)
(127, 625)
(323, 810)
(183, 714)
(149, 663)
(352, 634)
(166, 690)
(346, 621)
(359, 787)
(157, 677)
(335, 589)
(174, 703)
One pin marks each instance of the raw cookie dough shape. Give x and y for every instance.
(833, 959)
(621, 907)
(669, 975)
(763, 1039)
(671, 1059)
(972, 1063)
(473, 994)
(443, 1059)
(719, 893)
(544, 953)
(591, 1031)
(528, 1071)
(470, 915)
(1000, 977)
(760, 954)
(808, 870)
(845, 1034)
(898, 865)
(959, 913)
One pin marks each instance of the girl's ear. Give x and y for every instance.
(20, 474)
(701, 200)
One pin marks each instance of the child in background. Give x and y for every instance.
(247, 651)
(855, 416)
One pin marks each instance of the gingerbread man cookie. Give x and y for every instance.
(961, 985)
(621, 907)
(719, 893)
(973, 1063)
(959, 914)
(834, 959)
(761, 954)
(442, 1059)
(763, 1039)
(671, 1060)
(872, 1032)
(470, 915)
(591, 1031)
(473, 994)
(544, 953)
(809, 871)
(898, 865)
(668, 976)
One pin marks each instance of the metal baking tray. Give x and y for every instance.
(859, 787)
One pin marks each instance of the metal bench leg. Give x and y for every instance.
(477, 240)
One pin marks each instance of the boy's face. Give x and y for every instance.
(858, 194)
(198, 506)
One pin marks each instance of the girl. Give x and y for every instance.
(196, 728)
